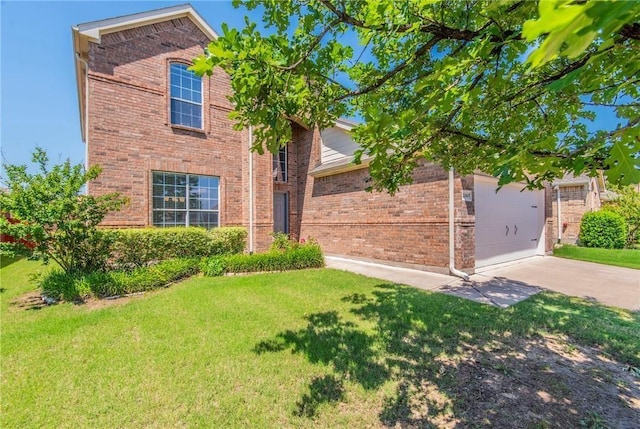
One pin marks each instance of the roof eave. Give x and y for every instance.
(95, 30)
(80, 82)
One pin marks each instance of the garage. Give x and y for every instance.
(509, 223)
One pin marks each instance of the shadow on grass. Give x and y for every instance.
(6, 261)
(456, 363)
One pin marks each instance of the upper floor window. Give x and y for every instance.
(280, 165)
(186, 97)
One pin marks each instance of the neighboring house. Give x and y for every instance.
(163, 138)
(571, 198)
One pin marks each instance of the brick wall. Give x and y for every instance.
(410, 227)
(575, 201)
(129, 131)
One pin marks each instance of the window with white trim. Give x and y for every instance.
(186, 97)
(280, 165)
(185, 200)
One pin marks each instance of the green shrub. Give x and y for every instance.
(627, 205)
(67, 286)
(213, 267)
(603, 229)
(281, 242)
(73, 287)
(295, 258)
(140, 247)
(228, 240)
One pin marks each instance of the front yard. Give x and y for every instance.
(317, 348)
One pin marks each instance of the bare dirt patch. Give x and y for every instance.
(34, 301)
(29, 301)
(547, 382)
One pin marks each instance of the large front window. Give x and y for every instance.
(185, 200)
(186, 97)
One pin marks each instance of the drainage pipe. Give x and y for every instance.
(250, 189)
(86, 114)
(557, 189)
(452, 243)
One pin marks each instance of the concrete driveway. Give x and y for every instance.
(511, 283)
(608, 285)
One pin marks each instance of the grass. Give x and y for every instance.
(317, 348)
(629, 258)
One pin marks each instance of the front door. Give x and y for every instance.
(280, 212)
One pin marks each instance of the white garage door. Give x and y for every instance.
(509, 223)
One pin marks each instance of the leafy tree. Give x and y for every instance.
(53, 215)
(507, 87)
(627, 205)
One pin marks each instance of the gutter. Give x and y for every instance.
(85, 120)
(250, 190)
(452, 244)
(559, 205)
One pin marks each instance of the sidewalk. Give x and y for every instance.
(498, 292)
(508, 284)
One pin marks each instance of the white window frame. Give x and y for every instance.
(281, 175)
(171, 97)
(186, 210)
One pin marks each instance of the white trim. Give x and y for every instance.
(285, 171)
(341, 166)
(345, 124)
(186, 210)
(171, 97)
(96, 29)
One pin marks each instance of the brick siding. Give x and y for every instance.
(410, 228)
(129, 131)
(575, 201)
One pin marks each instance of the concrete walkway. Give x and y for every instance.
(508, 284)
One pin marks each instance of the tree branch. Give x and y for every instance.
(391, 73)
(315, 43)
(631, 31)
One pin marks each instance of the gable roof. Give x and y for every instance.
(95, 29)
(93, 32)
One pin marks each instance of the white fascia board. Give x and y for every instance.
(337, 167)
(345, 124)
(94, 30)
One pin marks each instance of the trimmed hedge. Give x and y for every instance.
(73, 287)
(228, 240)
(603, 229)
(295, 258)
(140, 247)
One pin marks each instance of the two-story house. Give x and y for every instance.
(163, 137)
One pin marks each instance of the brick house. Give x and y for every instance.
(163, 138)
(572, 198)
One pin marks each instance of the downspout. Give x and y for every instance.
(452, 243)
(86, 113)
(557, 189)
(250, 189)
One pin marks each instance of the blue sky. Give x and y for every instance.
(39, 104)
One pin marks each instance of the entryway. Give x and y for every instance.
(281, 212)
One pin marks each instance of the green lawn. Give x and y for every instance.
(319, 348)
(629, 258)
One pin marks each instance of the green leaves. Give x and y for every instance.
(570, 27)
(624, 162)
(445, 82)
(50, 212)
